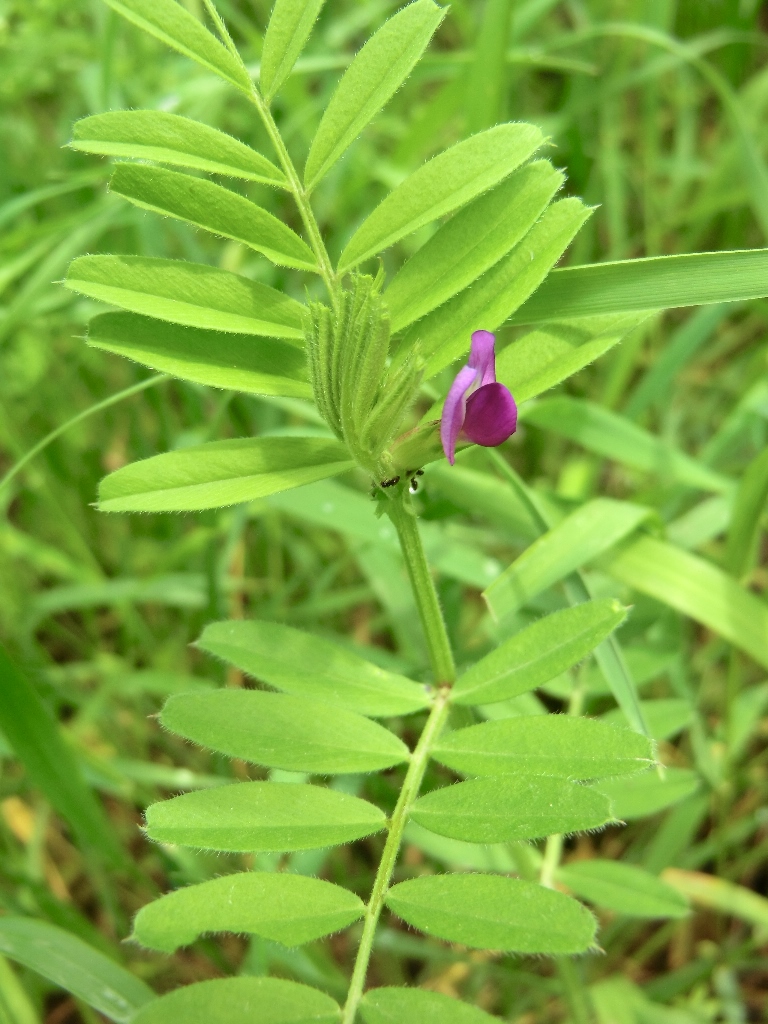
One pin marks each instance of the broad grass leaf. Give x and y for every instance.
(280, 655)
(376, 73)
(177, 28)
(659, 282)
(289, 28)
(287, 908)
(746, 519)
(250, 816)
(507, 808)
(221, 473)
(73, 965)
(493, 912)
(214, 208)
(50, 763)
(444, 334)
(470, 243)
(721, 895)
(279, 730)
(171, 139)
(640, 795)
(665, 717)
(231, 361)
(446, 182)
(625, 888)
(539, 652)
(694, 587)
(418, 1006)
(585, 534)
(555, 745)
(242, 1001)
(192, 294)
(615, 437)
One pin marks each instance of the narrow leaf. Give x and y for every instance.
(214, 208)
(376, 73)
(721, 895)
(539, 652)
(504, 809)
(444, 334)
(252, 816)
(660, 282)
(418, 1006)
(696, 588)
(282, 731)
(242, 1001)
(279, 655)
(493, 912)
(286, 908)
(191, 294)
(221, 473)
(625, 888)
(170, 139)
(583, 535)
(288, 30)
(50, 763)
(555, 745)
(641, 795)
(219, 360)
(75, 966)
(446, 182)
(665, 717)
(177, 28)
(607, 433)
(748, 508)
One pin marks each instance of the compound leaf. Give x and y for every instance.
(286, 908)
(241, 1001)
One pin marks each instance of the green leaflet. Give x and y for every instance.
(607, 433)
(541, 745)
(376, 73)
(696, 588)
(177, 28)
(221, 473)
(625, 888)
(214, 208)
(504, 809)
(665, 717)
(286, 908)
(279, 655)
(541, 359)
(282, 731)
(748, 508)
(660, 282)
(288, 30)
(219, 360)
(648, 793)
(539, 652)
(251, 816)
(73, 965)
(493, 912)
(239, 1000)
(444, 334)
(50, 763)
(446, 182)
(470, 243)
(191, 294)
(170, 139)
(418, 1006)
(588, 532)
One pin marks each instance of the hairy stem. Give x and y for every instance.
(444, 671)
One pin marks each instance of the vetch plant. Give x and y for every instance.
(363, 352)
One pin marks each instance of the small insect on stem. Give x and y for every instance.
(390, 483)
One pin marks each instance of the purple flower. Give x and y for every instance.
(477, 404)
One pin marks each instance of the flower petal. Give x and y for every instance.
(491, 415)
(454, 409)
(482, 356)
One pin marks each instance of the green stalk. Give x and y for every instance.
(441, 657)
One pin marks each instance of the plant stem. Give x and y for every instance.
(408, 794)
(400, 511)
(441, 657)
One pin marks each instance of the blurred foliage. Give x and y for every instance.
(101, 610)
